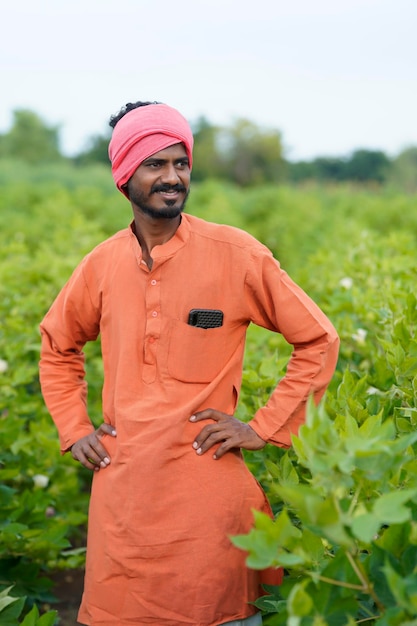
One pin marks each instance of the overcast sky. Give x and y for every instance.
(331, 75)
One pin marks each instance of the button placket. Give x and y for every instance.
(153, 327)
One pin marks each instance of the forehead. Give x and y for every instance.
(176, 151)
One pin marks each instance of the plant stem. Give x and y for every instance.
(366, 585)
(333, 581)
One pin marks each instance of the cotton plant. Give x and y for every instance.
(347, 535)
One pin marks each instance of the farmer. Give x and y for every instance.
(171, 297)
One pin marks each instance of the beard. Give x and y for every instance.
(171, 209)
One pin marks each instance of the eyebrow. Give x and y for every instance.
(162, 161)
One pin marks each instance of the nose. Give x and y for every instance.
(169, 174)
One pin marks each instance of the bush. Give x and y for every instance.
(344, 495)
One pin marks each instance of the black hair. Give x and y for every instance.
(126, 108)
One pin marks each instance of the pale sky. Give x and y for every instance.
(331, 75)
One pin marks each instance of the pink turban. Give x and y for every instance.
(141, 133)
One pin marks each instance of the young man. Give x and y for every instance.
(171, 297)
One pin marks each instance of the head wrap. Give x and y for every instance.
(141, 133)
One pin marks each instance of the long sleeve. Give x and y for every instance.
(281, 305)
(69, 324)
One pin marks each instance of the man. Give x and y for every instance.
(171, 297)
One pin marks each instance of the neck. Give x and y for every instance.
(153, 232)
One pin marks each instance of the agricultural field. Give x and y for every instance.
(345, 494)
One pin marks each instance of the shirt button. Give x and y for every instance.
(153, 282)
(154, 314)
(151, 339)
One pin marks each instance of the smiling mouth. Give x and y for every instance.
(172, 192)
(168, 190)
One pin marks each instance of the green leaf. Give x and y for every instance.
(299, 602)
(365, 527)
(270, 542)
(394, 538)
(319, 514)
(390, 509)
(5, 599)
(12, 528)
(47, 619)
(299, 449)
(398, 587)
(288, 473)
(31, 618)
(289, 559)
(273, 469)
(313, 546)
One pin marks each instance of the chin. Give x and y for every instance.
(166, 212)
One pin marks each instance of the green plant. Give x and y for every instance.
(11, 609)
(347, 535)
(353, 250)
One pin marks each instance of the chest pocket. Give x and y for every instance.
(198, 355)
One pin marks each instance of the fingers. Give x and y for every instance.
(90, 452)
(211, 434)
(208, 437)
(208, 414)
(106, 429)
(227, 431)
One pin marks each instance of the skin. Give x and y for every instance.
(158, 191)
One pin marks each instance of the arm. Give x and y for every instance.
(282, 306)
(72, 320)
(277, 303)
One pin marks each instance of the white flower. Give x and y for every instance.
(346, 282)
(40, 480)
(4, 366)
(360, 335)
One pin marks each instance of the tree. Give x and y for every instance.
(361, 166)
(96, 151)
(367, 165)
(404, 170)
(252, 155)
(328, 168)
(299, 171)
(207, 161)
(30, 139)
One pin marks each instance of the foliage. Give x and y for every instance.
(11, 608)
(403, 172)
(95, 151)
(367, 165)
(251, 156)
(347, 534)
(360, 166)
(242, 153)
(30, 139)
(207, 162)
(43, 498)
(344, 495)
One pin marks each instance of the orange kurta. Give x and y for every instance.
(161, 516)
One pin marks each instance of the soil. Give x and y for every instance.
(68, 588)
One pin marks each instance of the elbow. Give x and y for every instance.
(334, 340)
(331, 351)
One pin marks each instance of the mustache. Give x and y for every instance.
(165, 188)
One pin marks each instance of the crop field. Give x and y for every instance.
(345, 494)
